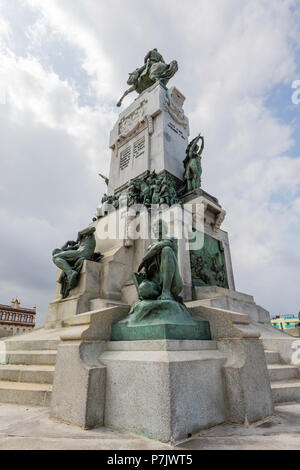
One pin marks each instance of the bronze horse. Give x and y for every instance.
(158, 72)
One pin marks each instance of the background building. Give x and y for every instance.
(14, 319)
(287, 323)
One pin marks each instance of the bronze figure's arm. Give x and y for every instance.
(194, 144)
(153, 251)
(202, 146)
(69, 245)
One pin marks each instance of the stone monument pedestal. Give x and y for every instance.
(164, 390)
(61, 310)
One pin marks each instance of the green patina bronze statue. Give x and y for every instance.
(192, 164)
(161, 279)
(71, 256)
(151, 189)
(208, 263)
(154, 70)
(167, 193)
(160, 312)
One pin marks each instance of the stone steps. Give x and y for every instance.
(285, 379)
(39, 357)
(31, 345)
(272, 357)
(39, 374)
(25, 393)
(286, 391)
(27, 369)
(279, 372)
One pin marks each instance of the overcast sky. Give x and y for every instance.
(64, 65)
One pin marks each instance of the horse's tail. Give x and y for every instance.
(173, 67)
(170, 71)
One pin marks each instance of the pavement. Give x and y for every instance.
(29, 428)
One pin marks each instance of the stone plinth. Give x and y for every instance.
(232, 300)
(272, 338)
(151, 134)
(245, 373)
(61, 310)
(164, 390)
(78, 395)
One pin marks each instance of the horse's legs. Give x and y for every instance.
(130, 90)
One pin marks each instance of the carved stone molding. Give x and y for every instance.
(122, 140)
(132, 124)
(130, 121)
(173, 105)
(214, 215)
(219, 220)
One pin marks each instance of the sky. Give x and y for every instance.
(64, 65)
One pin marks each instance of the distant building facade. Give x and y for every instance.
(285, 322)
(15, 319)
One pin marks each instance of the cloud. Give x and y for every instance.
(51, 151)
(61, 95)
(71, 22)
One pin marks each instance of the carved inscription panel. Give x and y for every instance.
(176, 130)
(133, 158)
(125, 157)
(139, 147)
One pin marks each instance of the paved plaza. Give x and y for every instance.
(29, 428)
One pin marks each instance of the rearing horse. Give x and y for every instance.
(159, 72)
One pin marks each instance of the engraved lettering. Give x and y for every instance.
(125, 158)
(176, 130)
(139, 148)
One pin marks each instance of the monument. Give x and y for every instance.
(151, 335)
(163, 252)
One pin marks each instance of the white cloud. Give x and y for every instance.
(5, 30)
(37, 94)
(69, 21)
